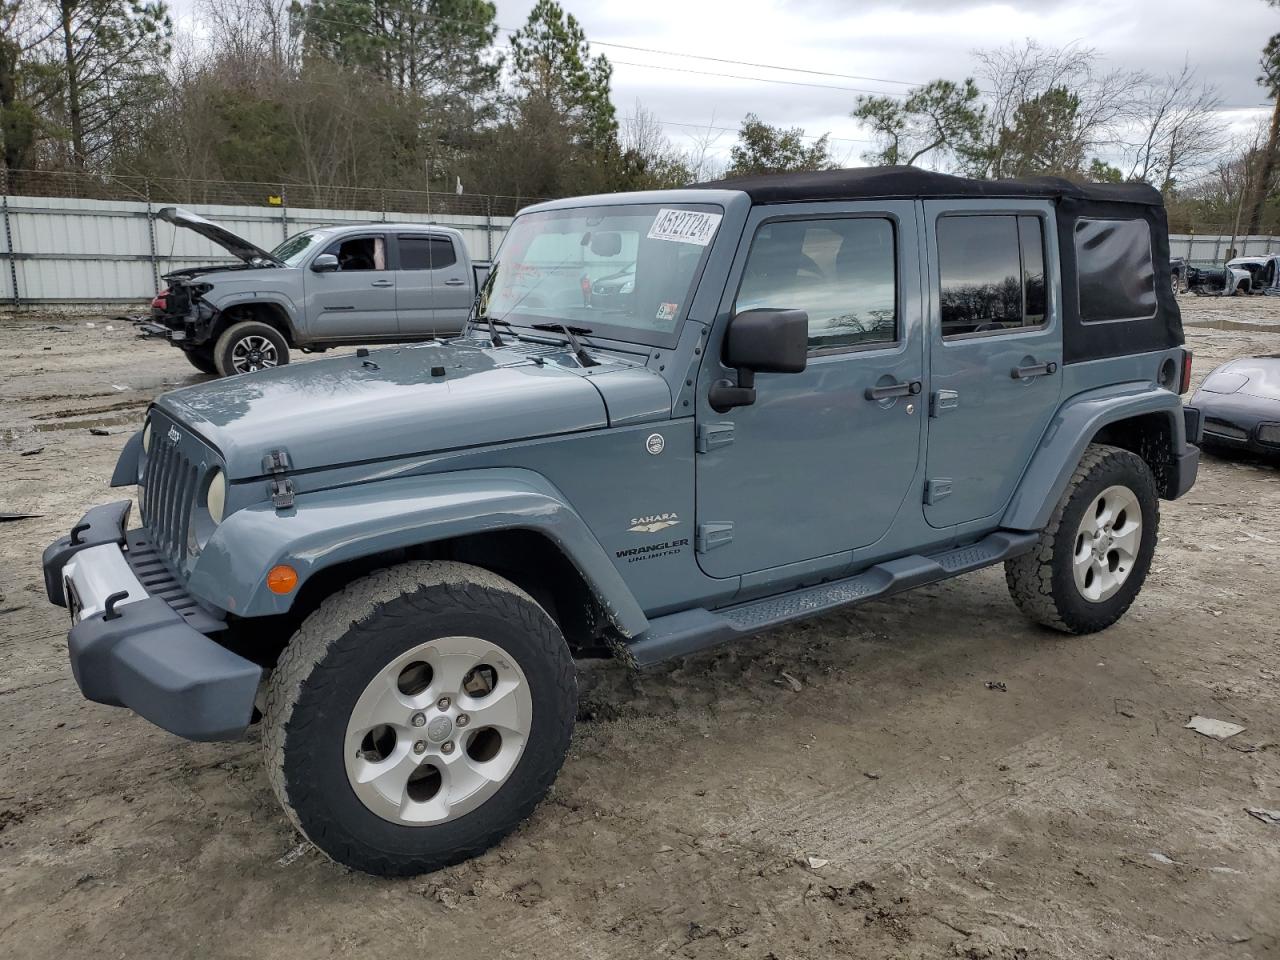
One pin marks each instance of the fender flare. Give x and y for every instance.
(126, 472)
(248, 299)
(346, 523)
(1070, 432)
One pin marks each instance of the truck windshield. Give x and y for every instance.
(295, 248)
(625, 272)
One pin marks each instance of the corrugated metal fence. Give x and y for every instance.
(1214, 249)
(80, 239)
(74, 249)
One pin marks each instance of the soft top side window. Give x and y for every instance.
(992, 273)
(1117, 277)
(841, 271)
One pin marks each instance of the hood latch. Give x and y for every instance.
(277, 463)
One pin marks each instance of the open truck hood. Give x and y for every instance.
(238, 246)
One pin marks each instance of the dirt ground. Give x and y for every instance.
(1070, 815)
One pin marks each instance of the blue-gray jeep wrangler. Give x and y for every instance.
(674, 419)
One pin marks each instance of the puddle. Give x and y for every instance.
(12, 435)
(1225, 324)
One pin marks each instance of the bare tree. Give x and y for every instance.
(1177, 130)
(701, 158)
(1019, 79)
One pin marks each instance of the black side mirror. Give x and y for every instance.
(760, 341)
(325, 263)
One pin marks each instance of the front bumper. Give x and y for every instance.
(138, 639)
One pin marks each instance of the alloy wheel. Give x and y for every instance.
(253, 353)
(1107, 543)
(438, 731)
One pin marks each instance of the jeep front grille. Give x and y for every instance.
(168, 492)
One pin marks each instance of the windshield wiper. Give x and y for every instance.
(496, 340)
(571, 334)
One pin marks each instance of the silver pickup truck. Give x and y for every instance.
(353, 284)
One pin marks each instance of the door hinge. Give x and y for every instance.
(942, 401)
(935, 490)
(712, 535)
(277, 462)
(712, 435)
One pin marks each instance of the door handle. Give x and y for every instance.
(383, 283)
(454, 282)
(904, 388)
(1034, 370)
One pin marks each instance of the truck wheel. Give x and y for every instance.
(1094, 555)
(418, 716)
(248, 346)
(202, 359)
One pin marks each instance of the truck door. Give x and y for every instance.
(823, 460)
(433, 289)
(358, 300)
(995, 351)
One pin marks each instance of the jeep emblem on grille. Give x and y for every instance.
(174, 435)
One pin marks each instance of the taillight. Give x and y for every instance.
(159, 302)
(1185, 383)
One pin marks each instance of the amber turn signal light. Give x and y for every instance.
(282, 579)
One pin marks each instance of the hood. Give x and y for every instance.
(1255, 377)
(404, 401)
(237, 246)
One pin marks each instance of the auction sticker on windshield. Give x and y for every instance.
(684, 226)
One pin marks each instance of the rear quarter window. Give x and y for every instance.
(1115, 269)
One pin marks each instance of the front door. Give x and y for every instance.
(433, 291)
(995, 347)
(823, 461)
(358, 300)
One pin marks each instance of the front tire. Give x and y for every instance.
(418, 716)
(248, 346)
(1092, 558)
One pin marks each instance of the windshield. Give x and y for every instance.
(623, 272)
(295, 248)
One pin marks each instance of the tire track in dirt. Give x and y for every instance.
(915, 816)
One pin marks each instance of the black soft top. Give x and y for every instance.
(911, 182)
(1094, 251)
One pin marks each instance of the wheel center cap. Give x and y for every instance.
(439, 729)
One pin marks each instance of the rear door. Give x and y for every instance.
(433, 291)
(358, 300)
(995, 349)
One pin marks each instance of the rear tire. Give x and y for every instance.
(249, 346)
(1092, 558)
(202, 359)
(364, 746)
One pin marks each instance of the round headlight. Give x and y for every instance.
(216, 497)
(146, 438)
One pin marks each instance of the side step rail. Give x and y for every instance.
(689, 631)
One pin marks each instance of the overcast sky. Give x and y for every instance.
(909, 41)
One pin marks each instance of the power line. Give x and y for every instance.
(707, 126)
(734, 76)
(415, 15)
